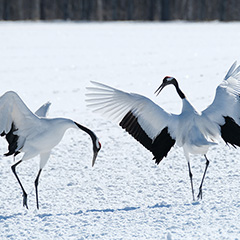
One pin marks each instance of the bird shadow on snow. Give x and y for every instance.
(113, 210)
(9, 216)
(106, 210)
(161, 205)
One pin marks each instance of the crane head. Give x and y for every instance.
(95, 141)
(166, 81)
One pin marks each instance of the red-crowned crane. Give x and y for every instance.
(34, 134)
(158, 130)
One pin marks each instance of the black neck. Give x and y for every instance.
(180, 93)
(88, 131)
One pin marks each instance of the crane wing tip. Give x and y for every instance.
(233, 71)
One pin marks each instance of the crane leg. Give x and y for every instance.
(24, 192)
(36, 186)
(200, 187)
(190, 175)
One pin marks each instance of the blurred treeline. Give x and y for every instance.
(100, 10)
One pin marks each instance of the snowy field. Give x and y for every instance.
(125, 195)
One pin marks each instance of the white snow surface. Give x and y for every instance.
(125, 195)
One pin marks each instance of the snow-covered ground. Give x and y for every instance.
(125, 196)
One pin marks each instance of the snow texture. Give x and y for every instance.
(125, 195)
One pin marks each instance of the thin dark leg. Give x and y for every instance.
(190, 175)
(36, 186)
(200, 187)
(24, 192)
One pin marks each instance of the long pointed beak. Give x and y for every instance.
(159, 89)
(96, 149)
(94, 158)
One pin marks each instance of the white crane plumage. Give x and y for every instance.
(34, 134)
(158, 130)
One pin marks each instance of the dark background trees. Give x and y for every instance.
(98, 10)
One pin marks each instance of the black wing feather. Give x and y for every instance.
(230, 132)
(12, 140)
(161, 144)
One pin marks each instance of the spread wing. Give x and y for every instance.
(17, 122)
(43, 110)
(225, 108)
(139, 116)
